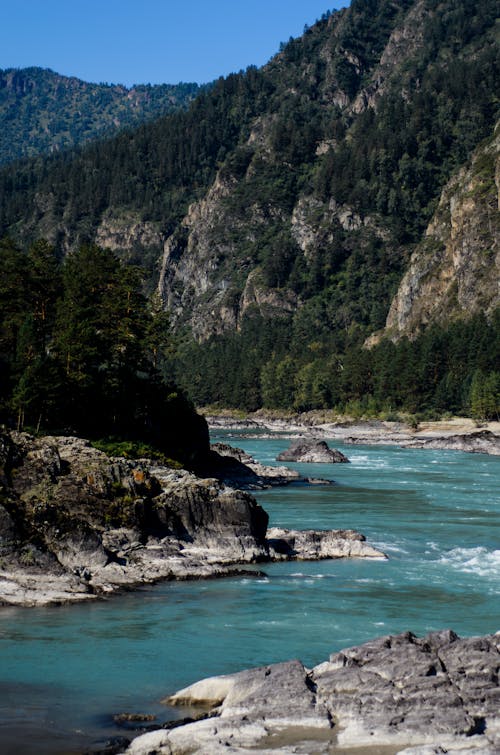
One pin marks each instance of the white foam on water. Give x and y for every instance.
(478, 561)
(389, 547)
(368, 462)
(270, 623)
(301, 575)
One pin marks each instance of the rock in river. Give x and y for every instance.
(76, 524)
(312, 451)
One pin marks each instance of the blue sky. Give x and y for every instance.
(149, 41)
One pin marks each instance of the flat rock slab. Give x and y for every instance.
(312, 452)
(396, 694)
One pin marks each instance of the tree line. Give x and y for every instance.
(451, 369)
(81, 350)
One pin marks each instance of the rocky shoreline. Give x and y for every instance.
(457, 435)
(396, 694)
(76, 524)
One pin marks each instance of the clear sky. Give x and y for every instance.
(150, 41)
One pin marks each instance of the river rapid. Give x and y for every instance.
(65, 671)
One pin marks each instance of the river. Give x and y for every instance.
(65, 671)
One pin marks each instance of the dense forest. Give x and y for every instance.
(290, 200)
(446, 370)
(42, 112)
(80, 349)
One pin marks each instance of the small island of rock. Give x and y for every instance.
(312, 451)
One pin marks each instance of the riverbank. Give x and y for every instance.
(458, 433)
(398, 693)
(436, 515)
(76, 524)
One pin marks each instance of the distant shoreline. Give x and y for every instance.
(457, 433)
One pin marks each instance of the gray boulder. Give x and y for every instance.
(314, 545)
(312, 451)
(235, 467)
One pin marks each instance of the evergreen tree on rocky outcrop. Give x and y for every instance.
(79, 350)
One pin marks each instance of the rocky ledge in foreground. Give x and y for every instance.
(312, 452)
(76, 524)
(397, 694)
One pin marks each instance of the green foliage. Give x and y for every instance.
(129, 449)
(81, 351)
(485, 395)
(453, 369)
(43, 112)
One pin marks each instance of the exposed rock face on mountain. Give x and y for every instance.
(197, 279)
(411, 695)
(455, 271)
(76, 524)
(312, 452)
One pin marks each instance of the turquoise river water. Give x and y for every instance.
(65, 671)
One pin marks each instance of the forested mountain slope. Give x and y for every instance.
(279, 213)
(44, 112)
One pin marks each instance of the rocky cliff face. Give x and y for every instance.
(75, 523)
(455, 271)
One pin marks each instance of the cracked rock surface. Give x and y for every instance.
(396, 694)
(76, 524)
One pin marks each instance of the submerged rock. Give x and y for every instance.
(435, 694)
(312, 451)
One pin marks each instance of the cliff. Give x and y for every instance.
(455, 271)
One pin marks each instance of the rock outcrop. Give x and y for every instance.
(307, 545)
(454, 272)
(76, 524)
(312, 451)
(410, 695)
(480, 442)
(238, 469)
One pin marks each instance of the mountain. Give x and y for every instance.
(42, 112)
(293, 211)
(454, 271)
